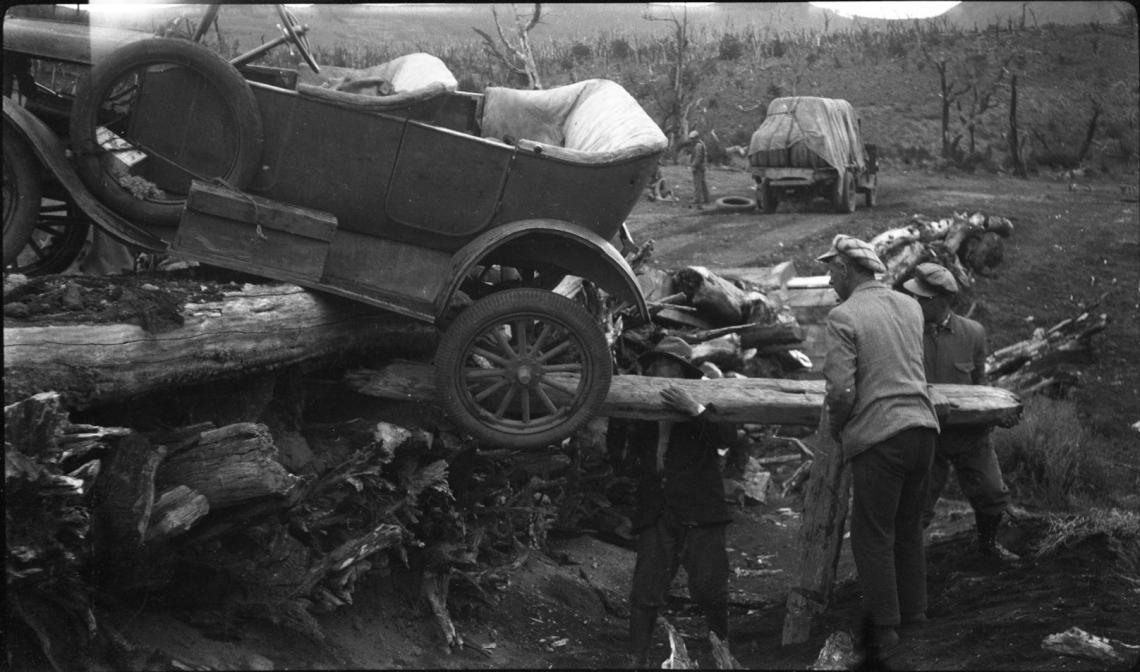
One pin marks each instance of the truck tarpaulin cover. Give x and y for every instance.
(825, 126)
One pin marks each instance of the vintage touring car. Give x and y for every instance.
(401, 200)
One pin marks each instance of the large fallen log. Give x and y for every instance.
(770, 401)
(260, 328)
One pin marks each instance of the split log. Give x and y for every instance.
(769, 401)
(724, 352)
(1077, 642)
(258, 328)
(1061, 341)
(903, 262)
(175, 511)
(963, 228)
(722, 302)
(230, 465)
(723, 657)
(678, 653)
(890, 240)
(826, 498)
(123, 500)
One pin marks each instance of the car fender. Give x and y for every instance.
(571, 247)
(50, 151)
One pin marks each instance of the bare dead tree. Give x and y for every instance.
(1090, 133)
(949, 91)
(676, 122)
(1014, 140)
(984, 86)
(517, 56)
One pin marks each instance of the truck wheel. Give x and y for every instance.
(522, 368)
(845, 193)
(222, 139)
(21, 194)
(766, 197)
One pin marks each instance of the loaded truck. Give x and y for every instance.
(809, 147)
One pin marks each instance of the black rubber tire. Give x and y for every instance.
(766, 198)
(573, 327)
(735, 204)
(21, 194)
(845, 193)
(56, 241)
(227, 82)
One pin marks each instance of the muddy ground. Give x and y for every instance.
(566, 608)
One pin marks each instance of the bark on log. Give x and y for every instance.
(903, 261)
(722, 302)
(175, 511)
(262, 327)
(1070, 334)
(820, 537)
(770, 401)
(230, 465)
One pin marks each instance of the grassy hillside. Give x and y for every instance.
(1069, 58)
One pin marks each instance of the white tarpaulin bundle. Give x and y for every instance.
(591, 121)
(826, 127)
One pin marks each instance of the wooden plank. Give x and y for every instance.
(759, 400)
(810, 282)
(763, 277)
(249, 248)
(241, 207)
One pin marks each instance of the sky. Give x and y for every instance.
(882, 9)
(888, 10)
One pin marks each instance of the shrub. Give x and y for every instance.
(1049, 456)
(620, 49)
(730, 47)
(581, 51)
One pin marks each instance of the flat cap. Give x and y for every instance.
(694, 134)
(931, 280)
(856, 250)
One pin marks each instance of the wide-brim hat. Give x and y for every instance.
(931, 280)
(675, 349)
(856, 250)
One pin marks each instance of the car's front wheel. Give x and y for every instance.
(522, 368)
(21, 194)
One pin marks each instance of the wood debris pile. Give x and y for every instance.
(1050, 360)
(965, 244)
(211, 517)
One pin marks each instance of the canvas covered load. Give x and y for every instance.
(807, 132)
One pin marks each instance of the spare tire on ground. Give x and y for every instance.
(735, 204)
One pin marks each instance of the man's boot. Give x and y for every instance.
(642, 621)
(988, 544)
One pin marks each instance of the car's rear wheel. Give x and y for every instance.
(155, 115)
(21, 194)
(522, 368)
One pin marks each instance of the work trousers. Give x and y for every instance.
(891, 481)
(700, 186)
(664, 547)
(975, 463)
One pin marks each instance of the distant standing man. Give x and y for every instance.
(882, 415)
(954, 352)
(681, 514)
(698, 162)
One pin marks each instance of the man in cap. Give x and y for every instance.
(881, 413)
(698, 161)
(681, 513)
(954, 351)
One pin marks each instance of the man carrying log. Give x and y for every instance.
(954, 351)
(681, 514)
(881, 414)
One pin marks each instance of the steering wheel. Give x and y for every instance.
(296, 34)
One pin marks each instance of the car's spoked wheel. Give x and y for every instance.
(21, 194)
(522, 368)
(56, 241)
